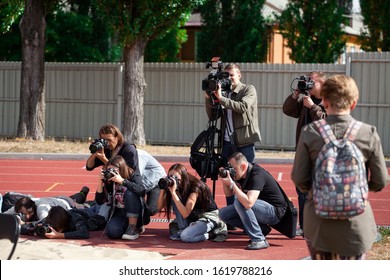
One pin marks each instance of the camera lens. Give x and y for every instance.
(223, 173)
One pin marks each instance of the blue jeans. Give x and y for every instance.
(119, 221)
(194, 232)
(248, 151)
(250, 219)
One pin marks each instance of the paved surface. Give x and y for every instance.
(63, 174)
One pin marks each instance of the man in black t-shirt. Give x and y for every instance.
(256, 200)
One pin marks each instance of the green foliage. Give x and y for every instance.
(166, 49)
(233, 30)
(73, 36)
(146, 19)
(376, 17)
(9, 13)
(314, 30)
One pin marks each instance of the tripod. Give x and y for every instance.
(205, 151)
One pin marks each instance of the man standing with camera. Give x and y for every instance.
(239, 118)
(306, 109)
(256, 200)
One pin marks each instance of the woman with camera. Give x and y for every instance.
(121, 192)
(111, 143)
(195, 209)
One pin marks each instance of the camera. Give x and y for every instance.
(305, 84)
(108, 174)
(216, 75)
(42, 229)
(224, 172)
(167, 182)
(97, 145)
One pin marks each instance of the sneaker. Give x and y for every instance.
(258, 245)
(141, 230)
(131, 233)
(299, 231)
(175, 236)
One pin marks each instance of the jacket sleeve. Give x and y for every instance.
(130, 155)
(246, 97)
(79, 229)
(292, 107)
(134, 184)
(317, 112)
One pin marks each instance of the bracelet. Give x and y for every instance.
(231, 186)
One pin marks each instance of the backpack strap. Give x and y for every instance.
(325, 130)
(352, 130)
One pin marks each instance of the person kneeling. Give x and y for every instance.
(195, 209)
(254, 200)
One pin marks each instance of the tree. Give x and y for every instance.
(314, 30)
(233, 30)
(32, 97)
(376, 18)
(137, 22)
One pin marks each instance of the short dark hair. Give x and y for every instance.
(58, 219)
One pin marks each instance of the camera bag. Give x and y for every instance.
(203, 158)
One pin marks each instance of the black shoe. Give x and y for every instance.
(266, 229)
(85, 190)
(230, 227)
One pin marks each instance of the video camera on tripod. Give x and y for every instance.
(215, 77)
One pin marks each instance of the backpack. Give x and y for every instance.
(340, 188)
(203, 158)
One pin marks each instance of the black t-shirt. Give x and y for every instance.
(261, 180)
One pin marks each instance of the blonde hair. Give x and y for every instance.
(340, 91)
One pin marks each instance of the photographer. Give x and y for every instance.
(239, 119)
(111, 143)
(121, 191)
(255, 200)
(30, 209)
(62, 224)
(196, 211)
(306, 108)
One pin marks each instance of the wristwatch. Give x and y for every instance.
(231, 186)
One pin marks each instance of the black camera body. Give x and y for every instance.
(108, 174)
(97, 145)
(224, 172)
(216, 75)
(167, 182)
(42, 229)
(305, 84)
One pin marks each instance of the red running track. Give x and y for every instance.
(65, 177)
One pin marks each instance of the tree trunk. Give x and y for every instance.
(32, 97)
(134, 91)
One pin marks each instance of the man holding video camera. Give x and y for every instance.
(239, 118)
(305, 104)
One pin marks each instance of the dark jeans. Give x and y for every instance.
(248, 151)
(119, 221)
(302, 197)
